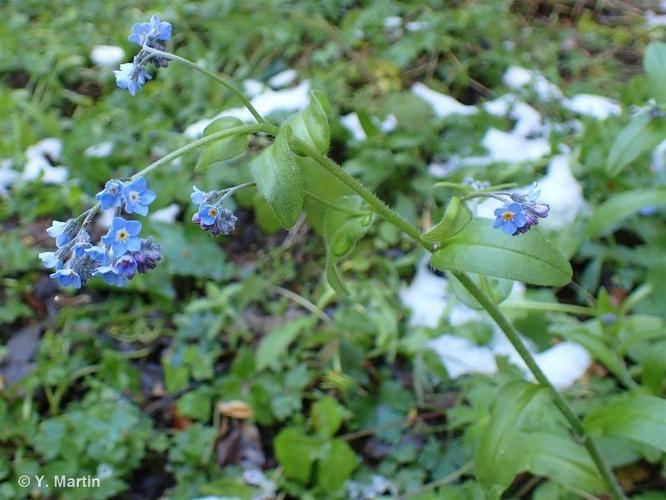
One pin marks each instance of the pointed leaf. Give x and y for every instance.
(456, 217)
(501, 454)
(641, 134)
(654, 63)
(633, 416)
(480, 248)
(610, 213)
(278, 179)
(311, 124)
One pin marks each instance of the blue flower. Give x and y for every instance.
(123, 236)
(126, 266)
(67, 277)
(200, 197)
(153, 30)
(208, 214)
(63, 232)
(137, 197)
(510, 218)
(110, 196)
(49, 259)
(111, 275)
(99, 254)
(131, 76)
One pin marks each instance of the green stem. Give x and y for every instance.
(529, 305)
(508, 329)
(219, 79)
(378, 205)
(577, 426)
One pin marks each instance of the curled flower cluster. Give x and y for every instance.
(119, 255)
(210, 216)
(133, 76)
(520, 212)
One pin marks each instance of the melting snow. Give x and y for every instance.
(7, 175)
(38, 164)
(392, 22)
(353, 124)
(266, 102)
(286, 77)
(442, 104)
(167, 214)
(107, 55)
(653, 20)
(596, 106)
(101, 150)
(516, 78)
(427, 299)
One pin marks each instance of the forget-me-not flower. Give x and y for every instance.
(111, 195)
(132, 76)
(147, 32)
(510, 218)
(137, 197)
(67, 277)
(123, 236)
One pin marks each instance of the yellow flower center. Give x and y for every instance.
(508, 216)
(213, 212)
(122, 235)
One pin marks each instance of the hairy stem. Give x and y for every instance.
(512, 334)
(575, 423)
(225, 82)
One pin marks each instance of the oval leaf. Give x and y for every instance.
(641, 134)
(481, 249)
(311, 124)
(456, 217)
(278, 179)
(341, 232)
(227, 147)
(613, 210)
(655, 67)
(501, 454)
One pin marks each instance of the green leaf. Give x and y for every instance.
(641, 134)
(633, 416)
(654, 63)
(311, 124)
(327, 415)
(320, 185)
(501, 454)
(275, 344)
(336, 464)
(497, 289)
(296, 452)
(480, 248)
(562, 460)
(609, 214)
(231, 487)
(341, 232)
(225, 148)
(456, 217)
(278, 179)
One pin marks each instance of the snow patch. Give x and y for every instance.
(101, 150)
(167, 214)
(284, 78)
(442, 104)
(266, 102)
(38, 165)
(107, 55)
(517, 78)
(596, 106)
(352, 123)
